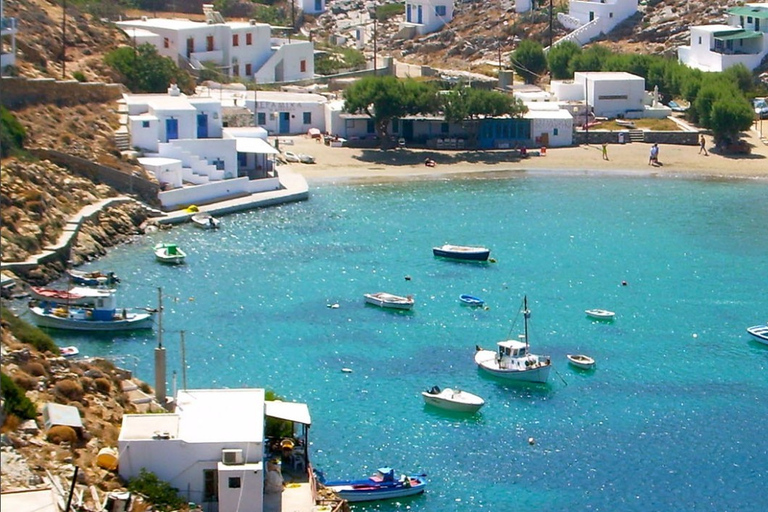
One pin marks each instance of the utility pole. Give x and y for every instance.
(375, 28)
(550, 24)
(64, 40)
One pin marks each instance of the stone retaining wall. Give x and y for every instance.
(23, 91)
(599, 136)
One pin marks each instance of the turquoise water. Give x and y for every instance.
(673, 418)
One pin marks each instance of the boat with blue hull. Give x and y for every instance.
(462, 252)
(382, 485)
(93, 278)
(103, 316)
(471, 300)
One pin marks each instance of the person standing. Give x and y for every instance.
(703, 146)
(605, 151)
(654, 157)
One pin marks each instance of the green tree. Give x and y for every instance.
(464, 105)
(591, 59)
(159, 493)
(143, 70)
(529, 60)
(12, 133)
(730, 115)
(559, 59)
(15, 401)
(384, 98)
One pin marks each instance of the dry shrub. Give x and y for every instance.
(11, 424)
(61, 434)
(69, 389)
(35, 369)
(110, 434)
(103, 385)
(87, 384)
(25, 381)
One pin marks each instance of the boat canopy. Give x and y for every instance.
(514, 348)
(290, 411)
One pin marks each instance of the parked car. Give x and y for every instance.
(761, 107)
(290, 156)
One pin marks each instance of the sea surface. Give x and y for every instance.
(672, 419)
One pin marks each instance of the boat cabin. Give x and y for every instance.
(384, 475)
(513, 348)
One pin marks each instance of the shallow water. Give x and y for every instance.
(673, 417)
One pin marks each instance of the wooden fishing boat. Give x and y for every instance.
(205, 221)
(581, 361)
(388, 300)
(760, 332)
(380, 486)
(452, 399)
(169, 253)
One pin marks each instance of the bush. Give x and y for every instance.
(160, 493)
(103, 385)
(25, 381)
(61, 434)
(16, 402)
(27, 333)
(69, 389)
(12, 133)
(79, 76)
(35, 369)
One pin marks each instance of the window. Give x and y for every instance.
(699, 39)
(749, 19)
(166, 42)
(303, 66)
(248, 70)
(234, 482)
(444, 128)
(235, 39)
(219, 164)
(236, 70)
(612, 97)
(210, 485)
(440, 10)
(248, 39)
(307, 117)
(209, 43)
(145, 124)
(261, 118)
(555, 131)
(369, 126)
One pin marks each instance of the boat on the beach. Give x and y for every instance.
(70, 351)
(512, 360)
(760, 332)
(205, 221)
(388, 300)
(381, 485)
(169, 253)
(471, 300)
(76, 296)
(452, 399)
(581, 361)
(103, 316)
(93, 278)
(600, 314)
(462, 252)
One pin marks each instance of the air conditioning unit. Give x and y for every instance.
(232, 457)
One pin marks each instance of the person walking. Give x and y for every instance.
(703, 146)
(652, 157)
(605, 151)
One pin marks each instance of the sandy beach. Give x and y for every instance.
(375, 165)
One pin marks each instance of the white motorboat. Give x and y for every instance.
(600, 314)
(104, 316)
(388, 300)
(169, 253)
(760, 332)
(452, 399)
(581, 361)
(205, 221)
(512, 360)
(70, 351)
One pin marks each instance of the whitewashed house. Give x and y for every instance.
(213, 448)
(587, 19)
(425, 16)
(238, 49)
(287, 112)
(551, 126)
(743, 40)
(607, 94)
(310, 6)
(8, 30)
(193, 156)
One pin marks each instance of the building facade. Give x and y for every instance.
(427, 16)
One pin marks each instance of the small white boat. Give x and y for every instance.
(760, 332)
(581, 361)
(453, 399)
(513, 360)
(169, 253)
(462, 252)
(388, 300)
(600, 314)
(205, 221)
(470, 300)
(70, 351)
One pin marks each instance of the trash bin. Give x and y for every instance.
(623, 137)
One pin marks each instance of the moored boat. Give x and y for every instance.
(70, 351)
(452, 399)
(760, 332)
(380, 486)
(76, 296)
(93, 278)
(205, 220)
(462, 252)
(470, 300)
(600, 314)
(581, 361)
(104, 316)
(512, 360)
(169, 253)
(388, 300)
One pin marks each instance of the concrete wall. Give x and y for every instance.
(677, 138)
(22, 91)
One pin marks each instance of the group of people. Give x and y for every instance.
(654, 158)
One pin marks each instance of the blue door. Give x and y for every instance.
(172, 129)
(420, 21)
(202, 126)
(318, 5)
(408, 13)
(285, 122)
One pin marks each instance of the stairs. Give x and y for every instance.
(636, 136)
(122, 139)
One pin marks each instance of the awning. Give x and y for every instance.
(755, 12)
(742, 34)
(291, 411)
(254, 145)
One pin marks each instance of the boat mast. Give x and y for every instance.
(526, 316)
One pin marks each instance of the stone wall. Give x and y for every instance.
(129, 183)
(23, 91)
(600, 136)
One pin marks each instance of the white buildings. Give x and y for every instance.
(426, 16)
(237, 49)
(744, 40)
(287, 112)
(8, 30)
(310, 6)
(212, 448)
(589, 18)
(608, 94)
